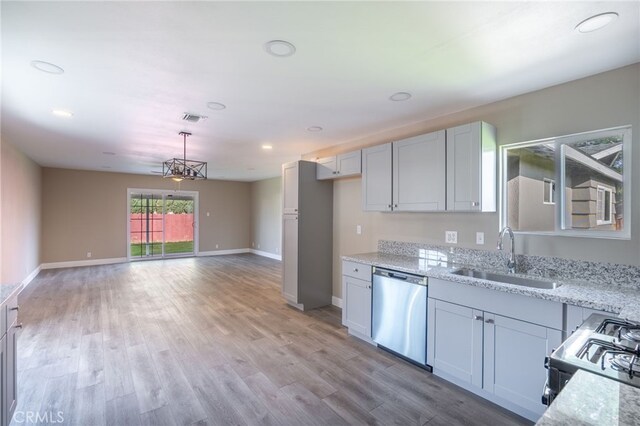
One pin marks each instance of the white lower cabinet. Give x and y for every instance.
(498, 357)
(356, 299)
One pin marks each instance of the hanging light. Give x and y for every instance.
(180, 169)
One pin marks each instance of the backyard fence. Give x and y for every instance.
(178, 227)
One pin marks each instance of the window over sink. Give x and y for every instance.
(573, 185)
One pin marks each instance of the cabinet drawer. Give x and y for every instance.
(356, 270)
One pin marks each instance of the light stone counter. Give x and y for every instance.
(7, 291)
(601, 296)
(589, 399)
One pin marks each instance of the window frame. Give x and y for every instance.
(552, 187)
(559, 142)
(604, 190)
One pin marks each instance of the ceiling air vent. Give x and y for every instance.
(193, 118)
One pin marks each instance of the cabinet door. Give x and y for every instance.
(357, 306)
(11, 377)
(349, 164)
(514, 353)
(326, 168)
(457, 342)
(290, 258)
(419, 173)
(376, 178)
(463, 167)
(290, 188)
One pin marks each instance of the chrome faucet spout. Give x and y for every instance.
(511, 263)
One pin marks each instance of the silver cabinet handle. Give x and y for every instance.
(490, 321)
(478, 318)
(395, 206)
(475, 204)
(18, 325)
(15, 308)
(355, 269)
(389, 206)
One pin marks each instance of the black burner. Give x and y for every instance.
(629, 363)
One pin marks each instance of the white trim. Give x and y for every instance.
(223, 252)
(31, 276)
(266, 254)
(76, 263)
(335, 301)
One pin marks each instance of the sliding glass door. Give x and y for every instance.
(161, 224)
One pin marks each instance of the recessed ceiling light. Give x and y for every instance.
(108, 153)
(314, 129)
(216, 106)
(267, 147)
(251, 168)
(596, 22)
(62, 113)
(47, 67)
(400, 96)
(279, 48)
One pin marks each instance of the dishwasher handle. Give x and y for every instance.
(394, 275)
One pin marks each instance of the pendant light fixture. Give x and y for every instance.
(180, 169)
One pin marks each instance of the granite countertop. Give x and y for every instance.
(615, 299)
(589, 399)
(7, 291)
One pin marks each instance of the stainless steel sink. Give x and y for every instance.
(509, 279)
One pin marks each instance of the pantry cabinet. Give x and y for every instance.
(342, 165)
(356, 299)
(471, 168)
(492, 343)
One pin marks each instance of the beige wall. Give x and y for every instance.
(20, 216)
(266, 215)
(74, 201)
(601, 101)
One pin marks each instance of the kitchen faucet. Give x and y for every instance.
(511, 264)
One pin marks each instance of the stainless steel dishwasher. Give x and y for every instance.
(399, 314)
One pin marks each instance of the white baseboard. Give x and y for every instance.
(266, 254)
(223, 252)
(76, 263)
(336, 301)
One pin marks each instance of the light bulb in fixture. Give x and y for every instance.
(267, 147)
(596, 22)
(177, 179)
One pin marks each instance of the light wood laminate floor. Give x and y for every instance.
(210, 341)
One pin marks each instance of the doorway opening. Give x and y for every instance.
(161, 224)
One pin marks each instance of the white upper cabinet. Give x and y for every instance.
(348, 164)
(419, 173)
(471, 168)
(290, 188)
(376, 178)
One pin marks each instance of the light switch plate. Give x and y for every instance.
(479, 237)
(359, 229)
(451, 237)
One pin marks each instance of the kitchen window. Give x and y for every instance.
(584, 180)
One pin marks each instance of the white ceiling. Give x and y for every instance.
(133, 68)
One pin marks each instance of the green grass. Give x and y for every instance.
(138, 249)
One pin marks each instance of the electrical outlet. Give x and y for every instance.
(88, 254)
(253, 244)
(359, 229)
(217, 246)
(451, 237)
(277, 249)
(208, 214)
(258, 245)
(479, 237)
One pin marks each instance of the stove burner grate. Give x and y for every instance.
(630, 333)
(623, 361)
